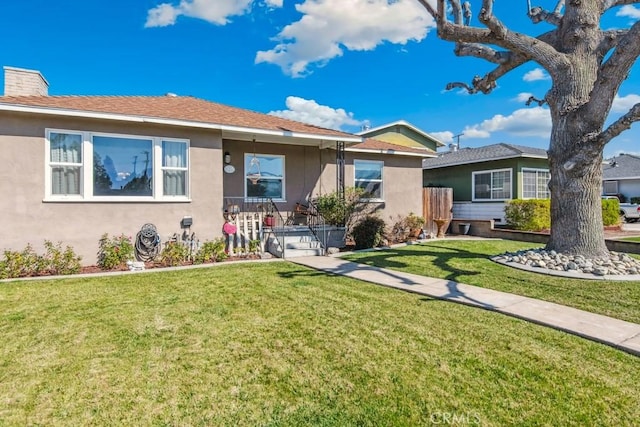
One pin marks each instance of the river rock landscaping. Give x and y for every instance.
(617, 264)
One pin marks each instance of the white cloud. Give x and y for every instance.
(445, 136)
(535, 75)
(309, 111)
(523, 97)
(523, 122)
(213, 11)
(622, 104)
(629, 11)
(329, 26)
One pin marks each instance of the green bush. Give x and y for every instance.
(114, 252)
(174, 254)
(210, 251)
(338, 211)
(369, 232)
(56, 261)
(27, 263)
(610, 212)
(635, 200)
(528, 215)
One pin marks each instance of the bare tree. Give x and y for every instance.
(587, 65)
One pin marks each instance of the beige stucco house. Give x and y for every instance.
(77, 167)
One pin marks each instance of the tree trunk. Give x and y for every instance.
(576, 183)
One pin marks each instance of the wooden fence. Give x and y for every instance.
(436, 203)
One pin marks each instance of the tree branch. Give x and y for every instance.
(533, 99)
(608, 4)
(478, 50)
(538, 14)
(620, 125)
(616, 68)
(610, 39)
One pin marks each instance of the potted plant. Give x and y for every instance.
(414, 224)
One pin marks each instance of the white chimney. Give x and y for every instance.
(22, 82)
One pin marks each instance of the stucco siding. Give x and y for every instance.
(402, 191)
(27, 218)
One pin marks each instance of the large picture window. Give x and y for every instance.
(91, 166)
(492, 185)
(535, 184)
(264, 176)
(368, 176)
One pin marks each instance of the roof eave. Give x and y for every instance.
(238, 132)
(389, 152)
(530, 156)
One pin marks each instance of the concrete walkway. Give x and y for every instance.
(616, 333)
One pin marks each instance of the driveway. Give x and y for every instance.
(633, 227)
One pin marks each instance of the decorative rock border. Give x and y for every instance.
(617, 266)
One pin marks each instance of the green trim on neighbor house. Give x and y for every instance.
(460, 177)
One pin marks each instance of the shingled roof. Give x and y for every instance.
(624, 166)
(482, 154)
(185, 109)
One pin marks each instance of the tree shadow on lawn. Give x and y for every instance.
(442, 289)
(383, 259)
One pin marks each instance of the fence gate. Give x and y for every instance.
(436, 203)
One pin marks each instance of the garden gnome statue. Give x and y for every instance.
(466, 11)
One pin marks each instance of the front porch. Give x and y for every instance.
(258, 223)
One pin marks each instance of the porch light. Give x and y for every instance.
(227, 157)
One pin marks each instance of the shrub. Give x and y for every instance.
(23, 263)
(174, 254)
(114, 252)
(28, 263)
(369, 232)
(528, 215)
(210, 251)
(610, 212)
(56, 261)
(338, 211)
(635, 200)
(403, 226)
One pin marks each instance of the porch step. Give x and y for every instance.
(296, 242)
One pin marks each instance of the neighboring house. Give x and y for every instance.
(404, 134)
(484, 178)
(621, 175)
(80, 166)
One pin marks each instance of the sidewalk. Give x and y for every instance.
(616, 333)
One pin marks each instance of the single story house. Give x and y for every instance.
(77, 167)
(621, 176)
(484, 178)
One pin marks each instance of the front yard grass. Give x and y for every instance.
(631, 239)
(467, 261)
(280, 345)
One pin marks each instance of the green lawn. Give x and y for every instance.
(467, 261)
(280, 345)
(631, 239)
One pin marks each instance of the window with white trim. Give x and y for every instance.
(535, 183)
(264, 176)
(610, 187)
(98, 166)
(368, 176)
(492, 185)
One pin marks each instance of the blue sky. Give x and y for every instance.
(336, 63)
